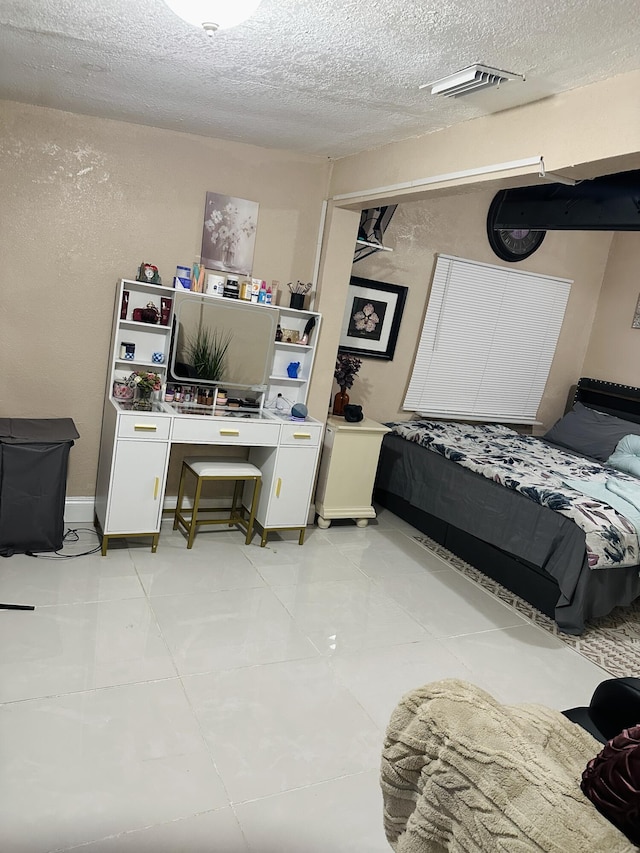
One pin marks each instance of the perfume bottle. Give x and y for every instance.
(165, 310)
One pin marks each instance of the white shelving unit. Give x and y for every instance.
(147, 338)
(293, 390)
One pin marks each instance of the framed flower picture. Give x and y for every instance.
(372, 318)
(229, 233)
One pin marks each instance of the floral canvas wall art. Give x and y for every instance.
(229, 233)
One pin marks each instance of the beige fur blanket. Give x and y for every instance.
(462, 773)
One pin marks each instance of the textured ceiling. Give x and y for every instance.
(328, 77)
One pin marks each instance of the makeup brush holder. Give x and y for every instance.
(297, 301)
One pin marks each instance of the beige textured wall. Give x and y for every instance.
(573, 133)
(84, 201)
(595, 128)
(456, 226)
(341, 230)
(614, 346)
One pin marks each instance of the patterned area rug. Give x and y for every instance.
(612, 642)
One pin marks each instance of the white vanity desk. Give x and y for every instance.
(135, 446)
(134, 458)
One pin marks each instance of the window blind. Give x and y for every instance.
(487, 342)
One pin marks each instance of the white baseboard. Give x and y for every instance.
(80, 510)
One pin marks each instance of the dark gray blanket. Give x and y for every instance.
(509, 521)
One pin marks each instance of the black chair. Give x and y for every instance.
(614, 706)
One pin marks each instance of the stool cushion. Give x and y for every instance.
(207, 466)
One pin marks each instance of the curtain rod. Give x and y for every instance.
(450, 176)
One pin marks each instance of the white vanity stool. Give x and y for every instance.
(205, 469)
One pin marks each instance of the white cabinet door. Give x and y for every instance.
(291, 486)
(137, 486)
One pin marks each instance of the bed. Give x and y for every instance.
(537, 548)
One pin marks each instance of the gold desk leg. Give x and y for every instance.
(180, 496)
(194, 514)
(303, 530)
(263, 539)
(105, 545)
(257, 485)
(234, 503)
(154, 543)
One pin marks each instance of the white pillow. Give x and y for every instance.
(626, 456)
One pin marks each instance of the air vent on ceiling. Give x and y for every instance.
(471, 79)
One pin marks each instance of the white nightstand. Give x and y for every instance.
(348, 470)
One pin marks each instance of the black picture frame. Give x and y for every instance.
(372, 317)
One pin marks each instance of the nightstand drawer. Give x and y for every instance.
(144, 426)
(305, 435)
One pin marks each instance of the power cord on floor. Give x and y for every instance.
(70, 536)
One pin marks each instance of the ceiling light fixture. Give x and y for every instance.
(468, 80)
(213, 15)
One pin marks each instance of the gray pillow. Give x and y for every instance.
(590, 433)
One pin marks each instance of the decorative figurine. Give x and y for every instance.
(149, 274)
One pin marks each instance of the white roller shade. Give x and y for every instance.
(487, 342)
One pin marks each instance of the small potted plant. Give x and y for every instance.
(144, 383)
(346, 370)
(207, 352)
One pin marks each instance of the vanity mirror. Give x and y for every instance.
(243, 334)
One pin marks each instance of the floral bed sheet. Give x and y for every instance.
(538, 471)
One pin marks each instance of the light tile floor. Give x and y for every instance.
(233, 698)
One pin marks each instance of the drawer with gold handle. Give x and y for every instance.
(305, 434)
(144, 426)
(202, 430)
